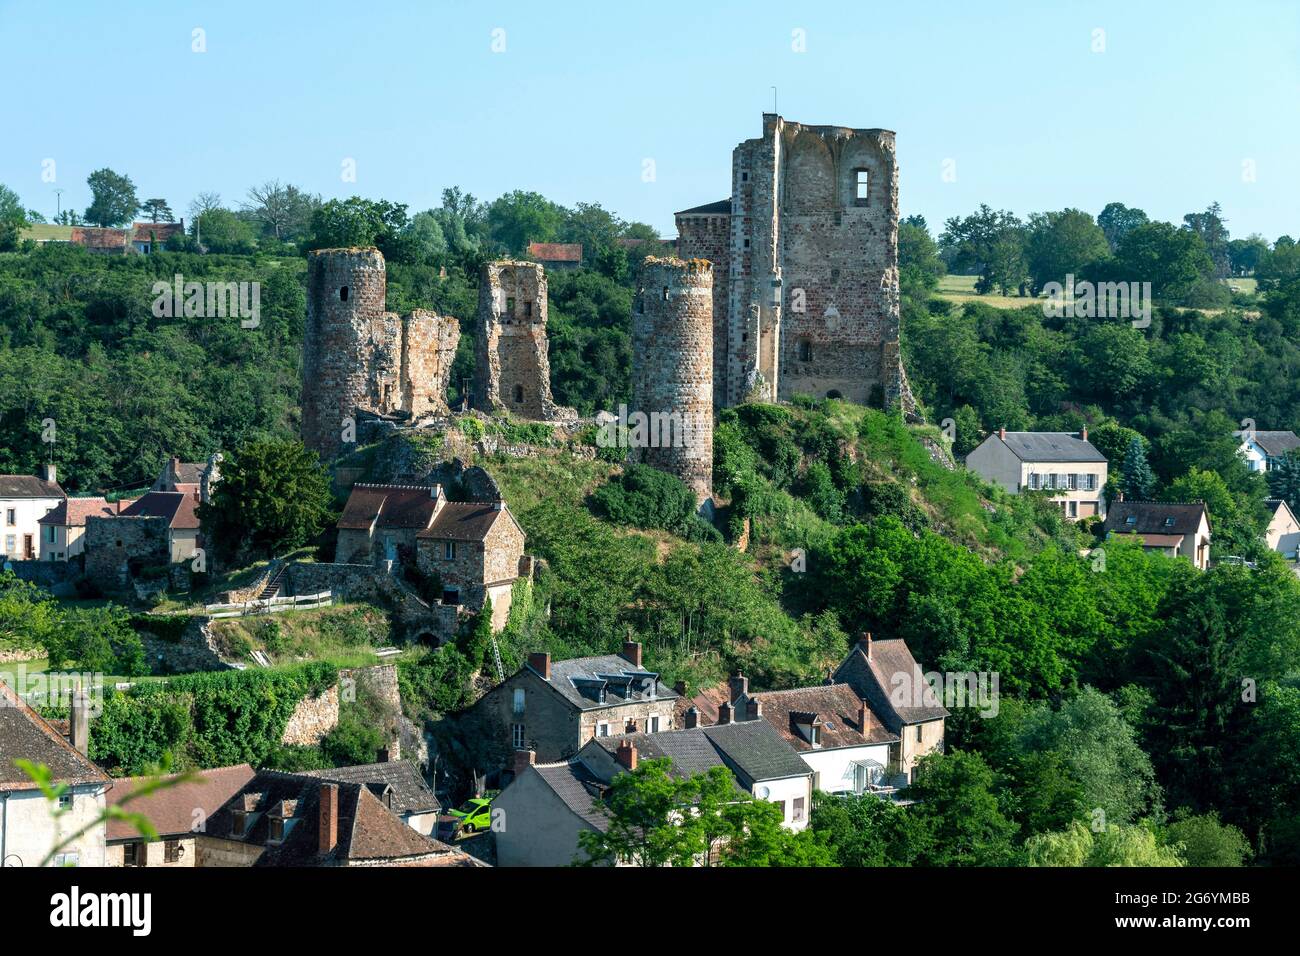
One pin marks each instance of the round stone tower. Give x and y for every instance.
(345, 314)
(670, 426)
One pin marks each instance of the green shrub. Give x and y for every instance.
(645, 497)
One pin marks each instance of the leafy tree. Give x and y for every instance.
(157, 210)
(1210, 226)
(518, 218)
(273, 497)
(646, 824)
(97, 639)
(283, 209)
(1061, 243)
(645, 497)
(958, 808)
(863, 830)
(221, 231)
(1205, 841)
(1284, 479)
(12, 219)
(28, 615)
(1138, 481)
(919, 264)
(1117, 220)
(988, 243)
(113, 200)
(1113, 845)
(342, 223)
(1173, 260)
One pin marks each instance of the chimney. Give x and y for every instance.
(691, 717)
(626, 755)
(680, 688)
(1119, 495)
(724, 713)
(523, 759)
(632, 653)
(175, 467)
(329, 816)
(51, 473)
(755, 709)
(1084, 433)
(739, 687)
(541, 662)
(864, 716)
(1002, 432)
(79, 722)
(864, 642)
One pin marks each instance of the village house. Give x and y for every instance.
(179, 511)
(63, 527)
(556, 255)
(178, 812)
(288, 819)
(548, 805)
(190, 477)
(1263, 450)
(380, 522)
(1283, 532)
(146, 237)
(399, 784)
(554, 707)
(24, 500)
(1178, 529)
(1061, 462)
(29, 826)
(886, 675)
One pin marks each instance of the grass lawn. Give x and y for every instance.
(961, 289)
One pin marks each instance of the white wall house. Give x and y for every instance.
(63, 527)
(1178, 529)
(1061, 462)
(24, 501)
(1263, 449)
(1283, 531)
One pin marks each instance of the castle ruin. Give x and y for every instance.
(805, 254)
(672, 371)
(359, 357)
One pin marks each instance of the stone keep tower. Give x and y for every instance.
(356, 356)
(811, 299)
(512, 370)
(672, 377)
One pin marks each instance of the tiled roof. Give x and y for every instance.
(73, 512)
(836, 705)
(171, 809)
(706, 702)
(1052, 446)
(751, 750)
(161, 231)
(177, 507)
(880, 678)
(390, 506)
(720, 208)
(1276, 444)
(28, 486)
(564, 674)
(1154, 517)
(578, 787)
(690, 750)
(555, 251)
(410, 793)
(94, 237)
(463, 521)
(24, 735)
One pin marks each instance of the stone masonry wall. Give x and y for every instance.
(112, 544)
(708, 236)
(672, 362)
(313, 718)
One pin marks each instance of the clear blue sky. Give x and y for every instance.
(584, 92)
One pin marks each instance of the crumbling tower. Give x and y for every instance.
(358, 357)
(512, 370)
(670, 425)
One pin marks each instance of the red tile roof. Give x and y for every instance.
(73, 512)
(171, 809)
(555, 251)
(390, 506)
(836, 705)
(96, 238)
(157, 231)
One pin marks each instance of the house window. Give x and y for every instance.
(1089, 482)
(602, 730)
(277, 830)
(528, 310)
(239, 823)
(50, 534)
(1169, 522)
(666, 295)
(11, 517)
(918, 733)
(1033, 482)
(65, 801)
(449, 551)
(133, 854)
(1131, 519)
(517, 736)
(798, 809)
(67, 859)
(744, 177)
(861, 184)
(654, 725)
(746, 243)
(510, 306)
(451, 596)
(519, 394)
(519, 700)
(343, 294)
(172, 848)
(11, 542)
(805, 350)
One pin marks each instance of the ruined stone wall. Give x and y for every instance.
(814, 267)
(358, 356)
(512, 369)
(708, 236)
(312, 719)
(113, 545)
(672, 378)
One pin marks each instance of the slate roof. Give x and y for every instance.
(1276, 444)
(464, 521)
(1155, 517)
(1052, 446)
(25, 735)
(838, 706)
(555, 251)
(368, 832)
(563, 674)
(29, 486)
(578, 787)
(171, 809)
(410, 793)
(874, 679)
(178, 508)
(751, 749)
(1277, 504)
(720, 208)
(390, 506)
(706, 702)
(73, 512)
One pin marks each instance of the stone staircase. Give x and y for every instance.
(273, 585)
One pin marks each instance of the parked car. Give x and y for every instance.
(472, 816)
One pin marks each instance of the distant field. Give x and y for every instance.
(961, 289)
(1249, 286)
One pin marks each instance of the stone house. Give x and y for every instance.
(548, 805)
(146, 237)
(380, 522)
(291, 820)
(556, 255)
(178, 812)
(24, 500)
(1283, 532)
(158, 528)
(1178, 529)
(29, 829)
(1262, 450)
(554, 707)
(887, 676)
(399, 784)
(63, 528)
(1061, 462)
(190, 477)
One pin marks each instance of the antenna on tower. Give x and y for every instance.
(58, 204)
